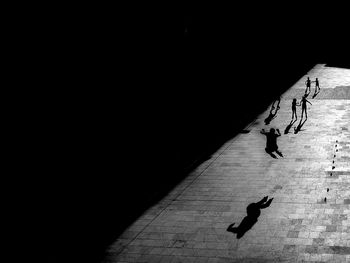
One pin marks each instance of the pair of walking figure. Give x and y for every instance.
(308, 86)
(303, 103)
(272, 135)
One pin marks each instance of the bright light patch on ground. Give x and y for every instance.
(309, 217)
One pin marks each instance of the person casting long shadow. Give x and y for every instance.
(298, 128)
(317, 86)
(271, 142)
(271, 115)
(308, 86)
(253, 212)
(304, 106)
(294, 108)
(289, 126)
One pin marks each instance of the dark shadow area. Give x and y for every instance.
(315, 94)
(289, 126)
(272, 114)
(271, 142)
(253, 213)
(339, 64)
(277, 101)
(307, 92)
(300, 125)
(124, 107)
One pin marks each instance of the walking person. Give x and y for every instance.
(271, 142)
(303, 106)
(308, 86)
(294, 109)
(317, 86)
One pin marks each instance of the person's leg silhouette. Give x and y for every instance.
(270, 153)
(279, 153)
(294, 113)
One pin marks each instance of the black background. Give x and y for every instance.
(124, 103)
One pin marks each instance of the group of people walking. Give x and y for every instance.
(253, 209)
(303, 105)
(303, 102)
(308, 86)
(271, 136)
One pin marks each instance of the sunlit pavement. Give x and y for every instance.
(300, 225)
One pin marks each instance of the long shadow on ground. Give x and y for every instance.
(106, 178)
(113, 153)
(253, 213)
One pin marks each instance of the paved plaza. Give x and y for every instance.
(308, 219)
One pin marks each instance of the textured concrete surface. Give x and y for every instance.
(300, 225)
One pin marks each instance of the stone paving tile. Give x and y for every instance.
(189, 225)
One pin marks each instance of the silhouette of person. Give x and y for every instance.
(317, 87)
(253, 212)
(278, 99)
(271, 142)
(308, 85)
(294, 109)
(271, 116)
(303, 106)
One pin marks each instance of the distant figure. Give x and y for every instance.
(294, 109)
(271, 115)
(303, 106)
(253, 212)
(278, 99)
(317, 88)
(308, 86)
(271, 142)
(317, 85)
